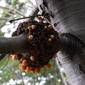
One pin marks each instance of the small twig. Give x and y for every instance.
(23, 18)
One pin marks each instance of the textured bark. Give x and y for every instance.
(18, 44)
(72, 58)
(68, 16)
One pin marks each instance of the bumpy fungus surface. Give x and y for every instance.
(44, 40)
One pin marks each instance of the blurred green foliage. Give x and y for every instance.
(9, 70)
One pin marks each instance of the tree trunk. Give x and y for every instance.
(68, 16)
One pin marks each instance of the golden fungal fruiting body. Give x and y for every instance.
(14, 57)
(37, 70)
(30, 37)
(22, 67)
(40, 19)
(21, 59)
(29, 69)
(32, 27)
(50, 26)
(52, 36)
(49, 39)
(32, 58)
(45, 27)
(48, 66)
(24, 62)
(29, 27)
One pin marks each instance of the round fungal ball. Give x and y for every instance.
(45, 27)
(32, 58)
(22, 67)
(14, 57)
(30, 37)
(50, 39)
(48, 66)
(29, 27)
(37, 70)
(52, 36)
(24, 62)
(28, 69)
(41, 19)
(50, 26)
(33, 27)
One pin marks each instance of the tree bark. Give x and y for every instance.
(17, 44)
(68, 16)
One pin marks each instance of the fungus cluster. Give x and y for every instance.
(44, 40)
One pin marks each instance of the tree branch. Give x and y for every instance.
(18, 44)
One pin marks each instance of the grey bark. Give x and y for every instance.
(68, 16)
(61, 73)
